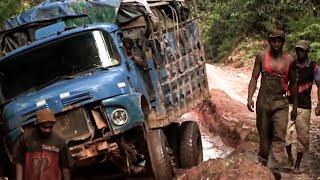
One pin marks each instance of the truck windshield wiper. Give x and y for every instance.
(37, 88)
(98, 66)
(55, 80)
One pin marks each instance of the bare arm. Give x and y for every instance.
(253, 81)
(66, 174)
(19, 172)
(139, 60)
(318, 92)
(66, 162)
(19, 157)
(317, 110)
(317, 80)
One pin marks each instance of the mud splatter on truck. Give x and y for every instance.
(80, 59)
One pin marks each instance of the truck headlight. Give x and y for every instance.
(119, 117)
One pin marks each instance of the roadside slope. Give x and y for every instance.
(226, 115)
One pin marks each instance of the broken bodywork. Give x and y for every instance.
(107, 107)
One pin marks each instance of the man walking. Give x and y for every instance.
(307, 72)
(40, 153)
(278, 75)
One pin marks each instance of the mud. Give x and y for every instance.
(225, 116)
(234, 167)
(214, 147)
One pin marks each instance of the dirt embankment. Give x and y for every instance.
(216, 114)
(237, 132)
(229, 118)
(233, 167)
(226, 115)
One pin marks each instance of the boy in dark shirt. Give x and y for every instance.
(307, 73)
(40, 153)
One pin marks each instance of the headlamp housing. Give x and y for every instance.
(119, 117)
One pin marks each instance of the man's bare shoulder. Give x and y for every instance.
(289, 57)
(259, 56)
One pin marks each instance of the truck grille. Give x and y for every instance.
(77, 98)
(73, 125)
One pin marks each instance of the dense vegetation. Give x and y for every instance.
(227, 23)
(10, 8)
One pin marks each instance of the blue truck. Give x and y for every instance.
(118, 76)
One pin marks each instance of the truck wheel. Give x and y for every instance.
(172, 134)
(159, 155)
(190, 145)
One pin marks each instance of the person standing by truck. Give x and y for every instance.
(134, 53)
(278, 75)
(307, 72)
(40, 153)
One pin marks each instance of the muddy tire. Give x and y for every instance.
(190, 145)
(159, 155)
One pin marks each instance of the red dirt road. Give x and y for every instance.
(226, 116)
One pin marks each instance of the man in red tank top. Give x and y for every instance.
(40, 153)
(278, 75)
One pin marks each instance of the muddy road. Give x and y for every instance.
(229, 137)
(227, 119)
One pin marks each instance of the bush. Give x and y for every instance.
(225, 23)
(307, 28)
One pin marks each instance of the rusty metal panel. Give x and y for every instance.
(91, 149)
(98, 118)
(73, 125)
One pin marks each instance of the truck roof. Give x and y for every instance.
(109, 27)
(127, 14)
(97, 10)
(56, 9)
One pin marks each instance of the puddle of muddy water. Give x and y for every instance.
(213, 147)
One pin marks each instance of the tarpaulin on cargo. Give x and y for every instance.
(94, 10)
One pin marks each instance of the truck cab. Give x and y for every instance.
(108, 108)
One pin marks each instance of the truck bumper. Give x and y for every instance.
(92, 149)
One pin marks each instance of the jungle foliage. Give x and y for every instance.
(10, 8)
(226, 23)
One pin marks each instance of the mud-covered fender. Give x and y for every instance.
(132, 104)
